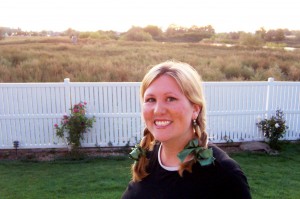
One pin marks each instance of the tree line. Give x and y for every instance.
(174, 33)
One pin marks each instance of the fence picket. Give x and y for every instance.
(29, 111)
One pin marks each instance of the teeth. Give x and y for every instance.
(162, 123)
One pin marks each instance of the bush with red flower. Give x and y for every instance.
(73, 126)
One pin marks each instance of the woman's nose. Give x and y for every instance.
(159, 108)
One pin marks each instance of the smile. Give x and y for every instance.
(162, 123)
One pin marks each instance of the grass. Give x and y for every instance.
(53, 59)
(276, 177)
(269, 176)
(97, 178)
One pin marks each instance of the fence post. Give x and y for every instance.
(269, 96)
(68, 102)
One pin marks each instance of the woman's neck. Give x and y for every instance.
(169, 157)
(169, 151)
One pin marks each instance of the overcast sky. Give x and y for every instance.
(120, 15)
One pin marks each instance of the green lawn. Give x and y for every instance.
(268, 176)
(98, 178)
(274, 177)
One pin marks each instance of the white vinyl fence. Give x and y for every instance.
(28, 111)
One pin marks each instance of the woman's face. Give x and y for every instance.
(167, 112)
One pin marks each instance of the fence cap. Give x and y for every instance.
(67, 80)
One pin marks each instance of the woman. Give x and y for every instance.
(174, 159)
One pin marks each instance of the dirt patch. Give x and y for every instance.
(61, 153)
(230, 147)
(54, 154)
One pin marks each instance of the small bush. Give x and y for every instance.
(275, 45)
(136, 34)
(273, 128)
(75, 125)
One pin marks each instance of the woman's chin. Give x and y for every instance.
(162, 138)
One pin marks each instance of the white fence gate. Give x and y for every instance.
(28, 111)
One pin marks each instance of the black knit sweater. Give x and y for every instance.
(223, 179)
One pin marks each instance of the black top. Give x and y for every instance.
(223, 179)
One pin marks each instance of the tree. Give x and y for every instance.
(234, 35)
(261, 33)
(109, 34)
(274, 35)
(136, 34)
(195, 33)
(279, 35)
(2, 32)
(174, 29)
(297, 35)
(154, 31)
(249, 39)
(71, 32)
(206, 31)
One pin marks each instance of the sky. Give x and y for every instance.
(121, 15)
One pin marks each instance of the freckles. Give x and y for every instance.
(145, 108)
(146, 111)
(184, 110)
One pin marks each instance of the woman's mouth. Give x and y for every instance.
(162, 123)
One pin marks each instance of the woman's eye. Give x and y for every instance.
(150, 100)
(170, 99)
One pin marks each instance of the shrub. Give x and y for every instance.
(273, 128)
(136, 34)
(75, 125)
(248, 39)
(275, 45)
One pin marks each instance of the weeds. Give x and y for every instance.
(53, 59)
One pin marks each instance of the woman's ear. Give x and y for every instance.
(197, 110)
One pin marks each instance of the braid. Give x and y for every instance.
(201, 129)
(138, 168)
(202, 136)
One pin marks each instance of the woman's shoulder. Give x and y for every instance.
(232, 172)
(222, 157)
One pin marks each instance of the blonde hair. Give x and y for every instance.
(190, 83)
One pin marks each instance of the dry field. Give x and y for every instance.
(51, 59)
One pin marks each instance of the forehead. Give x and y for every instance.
(164, 83)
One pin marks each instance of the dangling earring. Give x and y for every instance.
(196, 128)
(194, 125)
